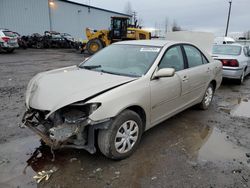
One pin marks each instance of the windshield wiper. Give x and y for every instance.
(116, 73)
(89, 67)
(109, 72)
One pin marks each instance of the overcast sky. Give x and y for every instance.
(200, 15)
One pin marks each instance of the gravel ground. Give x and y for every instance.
(193, 149)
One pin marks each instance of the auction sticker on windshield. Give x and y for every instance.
(150, 50)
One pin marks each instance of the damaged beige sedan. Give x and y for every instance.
(110, 99)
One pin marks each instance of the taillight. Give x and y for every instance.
(230, 62)
(5, 39)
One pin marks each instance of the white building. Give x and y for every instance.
(36, 16)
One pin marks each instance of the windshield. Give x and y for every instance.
(65, 34)
(226, 50)
(127, 60)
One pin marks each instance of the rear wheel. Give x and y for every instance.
(207, 99)
(94, 46)
(122, 137)
(39, 45)
(242, 78)
(10, 50)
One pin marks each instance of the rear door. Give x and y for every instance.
(197, 75)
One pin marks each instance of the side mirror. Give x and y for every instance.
(165, 72)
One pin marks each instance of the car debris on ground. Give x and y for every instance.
(44, 175)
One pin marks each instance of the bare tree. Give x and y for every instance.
(176, 27)
(247, 35)
(136, 20)
(156, 31)
(140, 21)
(166, 24)
(128, 8)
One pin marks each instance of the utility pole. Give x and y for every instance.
(228, 18)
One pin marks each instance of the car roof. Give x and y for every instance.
(4, 29)
(159, 43)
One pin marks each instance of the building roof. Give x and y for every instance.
(97, 8)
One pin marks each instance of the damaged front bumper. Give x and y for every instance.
(79, 134)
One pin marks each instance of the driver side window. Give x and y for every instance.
(173, 58)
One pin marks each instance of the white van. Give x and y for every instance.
(224, 40)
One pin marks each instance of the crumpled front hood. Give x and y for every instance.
(57, 88)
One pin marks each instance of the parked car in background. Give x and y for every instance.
(67, 37)
(53, 39)
(8, 41)
(50, 39)
(118, 93)
(72, 42)
(21, 40)
(235, 59)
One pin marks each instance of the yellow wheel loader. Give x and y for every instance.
(120, 30)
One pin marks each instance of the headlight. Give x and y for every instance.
(77, 112)
(93, 107)
(88, 108)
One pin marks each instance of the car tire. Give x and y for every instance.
(207, 98)
(124, 129)
(39, 45)
(11, 50)
(94, 45)
(242, 78)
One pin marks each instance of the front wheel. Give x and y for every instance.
(94, 45)
(207, 99)
(122, 137)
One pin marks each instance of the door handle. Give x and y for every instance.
(185, 78)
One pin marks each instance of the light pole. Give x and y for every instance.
(50, 4)
(228, 18)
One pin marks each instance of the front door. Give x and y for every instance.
(166, 92)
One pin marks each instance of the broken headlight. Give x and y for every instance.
(79, 111)
(88, 108)
(93, 107)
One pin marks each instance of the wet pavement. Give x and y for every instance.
(192, 149)
(242, 109)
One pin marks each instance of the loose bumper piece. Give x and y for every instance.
(80, 135)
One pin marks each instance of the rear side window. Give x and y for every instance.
(173, 58)
(245, 49)
(194, 56)
(204, 59)
(8, 34)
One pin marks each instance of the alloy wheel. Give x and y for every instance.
(208, 96)
(126, 136)
(242, 77)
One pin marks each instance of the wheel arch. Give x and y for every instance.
(214, 84)
(141, 112)
(245, 69)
